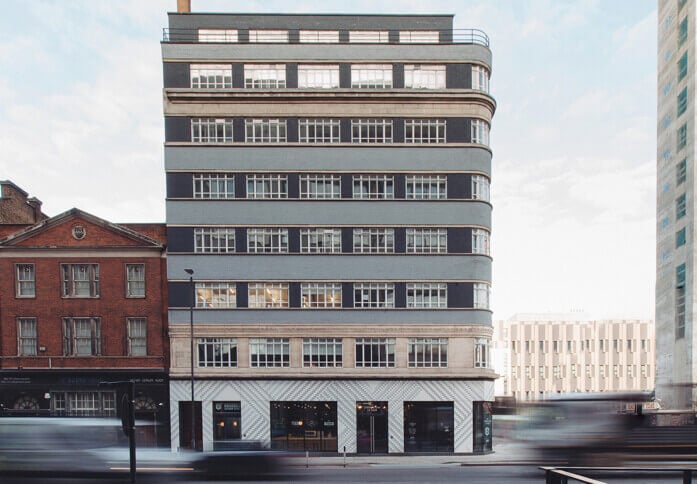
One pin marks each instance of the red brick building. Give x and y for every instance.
(16, 207)
(84, 301)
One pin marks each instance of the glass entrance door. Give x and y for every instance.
(371, 427)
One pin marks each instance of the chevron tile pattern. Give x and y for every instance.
(256, 395)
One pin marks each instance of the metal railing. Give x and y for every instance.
(222, 35)
(563, 475)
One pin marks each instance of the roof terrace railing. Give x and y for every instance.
(242, 36)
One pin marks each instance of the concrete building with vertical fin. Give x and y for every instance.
(328, 184)
(676, 339)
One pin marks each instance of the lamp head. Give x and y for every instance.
(189, 271)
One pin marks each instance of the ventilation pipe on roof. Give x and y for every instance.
(183, 6)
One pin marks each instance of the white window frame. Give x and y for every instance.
(218, 35)
(427, 240)
(424, 76)
(79, 333)
(372, 295)
(422, 131)
(323, 352)
(267, 186)
(369, 36)
(268, 36)
(373, 240)
(216, 295)
(137, 332)
(210, 76)
(214, 185)
(135, 280)
(319, 36)
(428, 353)
(371, 131)
(214, 240)
(480, 132)
(419, 37)
(320, 187)
(480, 241)
(480, 78)
(269, 353)
(371, 76)
(426, 187)
(375, 352)
(481, 292)
(80, 280)
(84, 404)
(265, 130)
(321, 295)
(481, 352)
(373, 187)
(264, 76)
(267, 240)
(26, 280)
(27, 337)
(318, 76)
(318, 240)
(268, 295)
(427, 295)
(211, 130)
(318, 130)
(216, 352)
(481, 189)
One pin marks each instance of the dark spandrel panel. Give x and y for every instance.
(458, 188)
(179, 185)
(180, 239)
(458, 76)
(181, 294)
(177, 128)
(176, 75)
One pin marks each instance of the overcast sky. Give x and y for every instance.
(574, 135)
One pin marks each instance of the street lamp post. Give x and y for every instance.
(191, 338)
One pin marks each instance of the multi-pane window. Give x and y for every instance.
(321, 294)
(375, 352)
(137, 336)
(481, 353)
(682, 101)
(424, 76)
(372, 36)
(682, 32)
(217, 352)
(269, 352)
(480, 78)
(428, 352)
(426, 187)
(371, 76)
(481, 291)
(681, 172)
(424, 131)
(26, 280)
(217, 35)
(427, 241)
(80, 280)
(135, 280)
(418, 36)
(320, 186)
(682, 136)
(265, 130)
(480, 188)
(216, 295)
(26, 337)
(318, 76)
(680, 206)
(322, 352)
(373, 240)
(480, 241)
(373, 295)
(319, 36)
(82, 336)
(682, 66)
(318, 131)
(267, 186)
(264, 76)
(267, 240)
(320, 241)
(680, 280)
(214, 240)
(371, 131)
(268, 36)
(480, 132)
(84, 404)
(373, 186)
(211, 76)
(425, 295)
(268, 295)
(211, 130)
(680, 237)
(214, 185)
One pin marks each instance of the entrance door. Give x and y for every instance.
(371, 427)
(185, 425)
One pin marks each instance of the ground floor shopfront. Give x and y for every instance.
(358, 416)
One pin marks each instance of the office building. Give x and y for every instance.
(328, 192)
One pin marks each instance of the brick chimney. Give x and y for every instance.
(35, 204)
(183, 6)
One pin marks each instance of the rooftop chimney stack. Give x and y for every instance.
(183, 6)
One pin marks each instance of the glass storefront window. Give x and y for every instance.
(429, 427)
(304, 426)
(483, 427)
(227, 425)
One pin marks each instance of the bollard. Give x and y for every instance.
(307, 459)
(344, 456)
